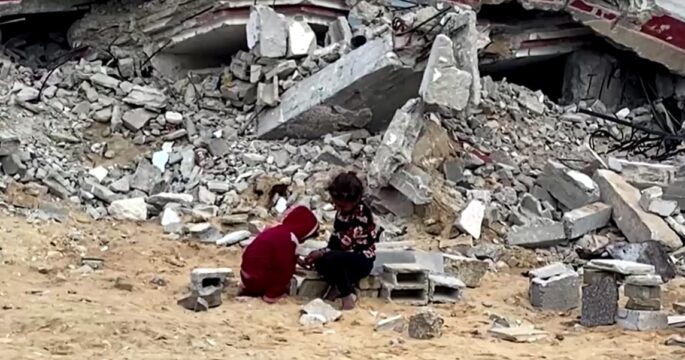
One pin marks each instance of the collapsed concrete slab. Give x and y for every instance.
(636, 224)
(643, 175)
(361, 90)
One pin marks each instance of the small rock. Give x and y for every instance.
(318, 307)
(425, 325)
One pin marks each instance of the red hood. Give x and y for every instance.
(301, 221)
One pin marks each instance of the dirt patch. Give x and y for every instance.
(50, 309)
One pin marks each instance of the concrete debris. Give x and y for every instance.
(643, 175)
(146, 97)
(621, 267)
(586, 219)
(395, 323)
(414, 183)
(339, 32)
(444, 87)
(518, 334)
(301, 38)
(651, 201)
(444, 289)
(469, 270)
(405, 284)
(543, 233)
(471, 218)
(638, 320)
(556, 293)
(321, 310)
(571, 188)
(128, 209)
(267, 32)
(396, 147)
(549, 271)
(648, 252)
(382, 81)
(425, 325)
(233, 238)
(636, 224)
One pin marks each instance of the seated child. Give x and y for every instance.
(269, 261)
(351, 249)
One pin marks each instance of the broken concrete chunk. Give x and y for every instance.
(444, 87)
(469, 270)
(518, 334)
(543, 233)
(146, 97)
(267, 93)
(146, 177)
(572, 188)
(395, 323)
(639, 320)
(205, 233)
(425, 325)
(301, 38)
(557, 293)
(321, 104)
(339, 32)
(413, 183)
(128, 209)
(550, 270)
(651, 201)
(643, 175)
(136, 119)
(267, 32)
(397, 145)
(233, 238)
(636, 224)
(105, 81)
(621, 267)
(471, 218)
(585, 219)
(320, 308)
(171, 221)
(648, 252)
(194, 302)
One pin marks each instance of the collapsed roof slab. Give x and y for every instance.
(220, 28)
(360, 90)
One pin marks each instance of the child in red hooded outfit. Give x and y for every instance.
(269, 261)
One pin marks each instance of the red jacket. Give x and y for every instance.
(269, 261)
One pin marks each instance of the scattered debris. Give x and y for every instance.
(319, 311)
(425, 325)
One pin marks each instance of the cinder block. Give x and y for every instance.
(206, 277)
(638, 320)
(557, 293)
(444, 289)
(642, 297)
(407, 295)
(405, 275)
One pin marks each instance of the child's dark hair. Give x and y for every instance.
(346, 186)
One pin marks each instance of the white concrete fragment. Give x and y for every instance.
(129, 209)
(301, 38)
(233, 238)
(636, 224)
(471, 218)
(621, 267)
(100, 173)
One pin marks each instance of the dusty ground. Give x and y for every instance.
(48, 310)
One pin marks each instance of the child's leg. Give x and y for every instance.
(343, 270)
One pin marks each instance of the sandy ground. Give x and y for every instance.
(48, 310)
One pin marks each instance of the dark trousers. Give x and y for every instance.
(343, 269)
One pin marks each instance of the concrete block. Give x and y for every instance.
(469, 270)
(644, 280)
(641, 297)
(643, 175)
(444, 289)
(211, 294)
(444, 87)
(638, 320)
(648, 252)
(415, 296)
(267, 93)
(557, 293)
(267, 32)
(583, 220)
(405, 275)
(636, 224)
(425, 325)
(571, 188)
(193, 302)
(209, 277)
(471, 218)
(651, 201)
(599, 298)
(360, 90)
(544, 233)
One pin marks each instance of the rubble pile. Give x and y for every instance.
(481, 163)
